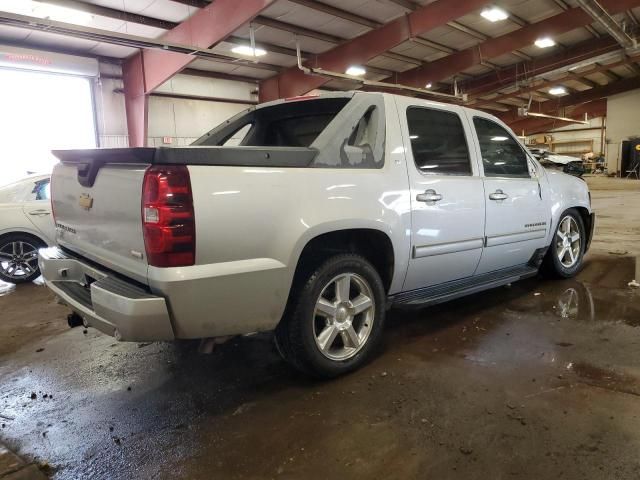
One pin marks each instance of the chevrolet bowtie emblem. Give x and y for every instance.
(85, 201)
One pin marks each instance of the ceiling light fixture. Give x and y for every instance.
(356, 71)
(494, 14)
(44, 10)
(428, 85)
(545, 42)
(248, 51)
(558, 90)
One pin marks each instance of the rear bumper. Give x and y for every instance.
(113, 306)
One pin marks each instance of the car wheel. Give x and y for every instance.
(335, 321)
(19, 258)
(566, 252)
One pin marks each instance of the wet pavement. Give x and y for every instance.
(537, 380)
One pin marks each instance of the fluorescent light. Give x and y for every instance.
(494, 14)
(428, 85)
(499, 139)
(248, 51)
(355, 70)
(557, 90)
(45, 10)
(545, 42)
(413, 137)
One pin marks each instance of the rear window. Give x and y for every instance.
(288, 124)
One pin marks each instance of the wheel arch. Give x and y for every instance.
(373, 244)
(587, 220)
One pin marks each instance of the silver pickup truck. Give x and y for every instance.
(308, 216)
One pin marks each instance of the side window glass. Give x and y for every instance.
(237, 137)
(438, 142)
(43, 190)
(502, 156)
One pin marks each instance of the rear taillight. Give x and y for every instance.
(168, 221)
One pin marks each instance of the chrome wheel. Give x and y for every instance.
(343, 316)
(568, 242)
(18, 259)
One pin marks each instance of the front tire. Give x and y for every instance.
(566, 252)
(19, 258)
(335, 319)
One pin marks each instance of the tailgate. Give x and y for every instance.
(97, 208)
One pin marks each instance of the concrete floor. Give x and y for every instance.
(537, 380)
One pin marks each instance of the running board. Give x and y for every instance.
(466, 286)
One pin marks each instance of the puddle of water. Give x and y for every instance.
(606, 378)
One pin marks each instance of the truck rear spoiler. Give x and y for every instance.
(90, 161)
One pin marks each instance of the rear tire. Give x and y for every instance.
(335, 318)
(566, 252)
(19, 258)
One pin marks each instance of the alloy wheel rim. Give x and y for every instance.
(18, 259)
(343, 316)
(568, 242)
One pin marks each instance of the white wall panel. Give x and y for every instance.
(623, 121)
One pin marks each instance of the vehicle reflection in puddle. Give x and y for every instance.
(582, 302)
(568, 303)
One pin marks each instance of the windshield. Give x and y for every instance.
(288, 124)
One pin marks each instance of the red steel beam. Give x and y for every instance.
(136, 102)
(494, 47)
(569, 76)
(507, 76)
(148, 69)
(361, 49)
(585, 96)
(205, 28)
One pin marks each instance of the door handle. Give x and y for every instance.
(429, 196)
(39, 212)
(498, 195)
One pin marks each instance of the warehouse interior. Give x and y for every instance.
(535, 379)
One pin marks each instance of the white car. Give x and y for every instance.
(26, 224)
